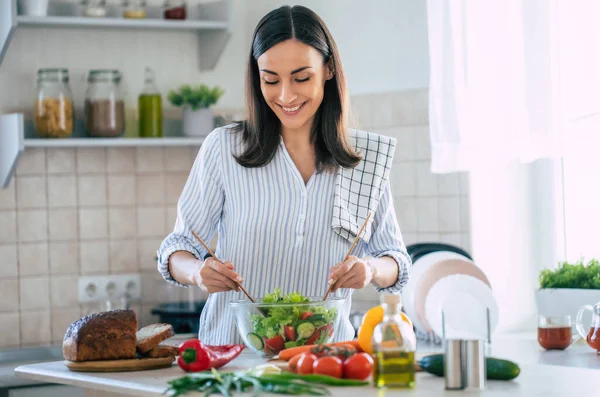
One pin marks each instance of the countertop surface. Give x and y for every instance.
(573, 371)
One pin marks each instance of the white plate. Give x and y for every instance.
(464, 300)
(419, 268)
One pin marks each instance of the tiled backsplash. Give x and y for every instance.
(97, 211)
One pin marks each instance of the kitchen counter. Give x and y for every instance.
(574, 371)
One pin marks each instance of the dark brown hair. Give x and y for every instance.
(262, 129)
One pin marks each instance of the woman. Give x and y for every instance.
(289, 188)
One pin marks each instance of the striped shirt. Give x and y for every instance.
(273, 227)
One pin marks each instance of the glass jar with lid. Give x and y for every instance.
(175, 9)
(134, 9)
(94, 8)
(53, 110)
(104, 104)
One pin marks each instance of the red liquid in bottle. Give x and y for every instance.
(554, 338)
(593, 338)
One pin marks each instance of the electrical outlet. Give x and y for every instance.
(100, 288)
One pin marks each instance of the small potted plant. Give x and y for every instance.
(567, 288)
(196, 101)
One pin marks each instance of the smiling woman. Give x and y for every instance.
(288, 189)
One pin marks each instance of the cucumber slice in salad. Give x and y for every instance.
(255, 341)
(305, 329)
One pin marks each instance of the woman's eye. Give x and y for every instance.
(302, 80)
(271, 82)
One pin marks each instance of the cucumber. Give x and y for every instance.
(290, 344)
(305, 329)
(496, 369)
(255, 341)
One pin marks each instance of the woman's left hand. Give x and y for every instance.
(353, 273)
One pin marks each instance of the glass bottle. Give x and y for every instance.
(134, 9)
(394, 346)
(175, 9)
(53, 109)
(150, 108)
(104, 105)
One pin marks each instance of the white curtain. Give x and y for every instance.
(512, 80)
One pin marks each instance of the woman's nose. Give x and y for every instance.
(287, 94)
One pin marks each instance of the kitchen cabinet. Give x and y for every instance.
(209, 20)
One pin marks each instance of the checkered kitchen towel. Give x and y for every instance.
(358, 189)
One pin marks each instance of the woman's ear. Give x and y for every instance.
(330, 70)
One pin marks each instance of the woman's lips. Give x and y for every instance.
(292, 110)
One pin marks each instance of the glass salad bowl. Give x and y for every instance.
(279, 322)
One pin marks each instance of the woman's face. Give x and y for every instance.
(292, 78)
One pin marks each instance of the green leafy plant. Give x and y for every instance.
(572, 275)
(196, 97)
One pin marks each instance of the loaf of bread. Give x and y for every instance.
(102, 336)
(151, 335)
(162, 351)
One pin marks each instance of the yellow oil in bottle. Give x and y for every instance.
(394, 369)
(150, 108)
(394, 346)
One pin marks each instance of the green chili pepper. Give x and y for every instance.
(312, 378)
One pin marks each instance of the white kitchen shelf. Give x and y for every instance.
(112, 142)
(56, 21)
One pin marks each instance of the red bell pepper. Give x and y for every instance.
(194, 356)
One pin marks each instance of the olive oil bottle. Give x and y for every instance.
(150, 108)
(394, 346)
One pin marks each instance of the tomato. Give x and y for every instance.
(275, 344)
(305, 315)
(293, 363)
(290, 333)
(305, 363)
(359, 366)
(329, 365)
(328, 329)
(313, 338)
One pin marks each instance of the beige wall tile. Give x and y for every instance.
(146, 317)
(448, 184)
(94, 257)
(426, 181)
(406, 212)
(427, 214)
(403, 180)
(174, 186)
(361, 111)
(121, 160)
(405, 145)
(9, 266)
(93, 223)
(465, 214)
(421, 106)
(422, 142)
(10, 294)
(7, 196)
(91, 160)
(151, 221)
(10, 330)
(35, 327)
(33, 259)
(452, 239)
(35, 293)
(8, 231)
(61, 161)
(64, 291)
(123, 256)
(382, 111)
(61, 320)
(121, 189)
(428, 237)
(147, 253)
(449, 215)
(403, 108)
(64, 258)
(33, 225)
(150, 159)
(122, 223)
(409, 238)
(32, 162)
(150, 189)
(62, 191)
(178, 159)
(171, 217)
(92, 190)
(63, 225)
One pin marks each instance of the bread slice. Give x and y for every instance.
(150, 336)
(161, 351)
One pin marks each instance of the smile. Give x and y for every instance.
(292, 110)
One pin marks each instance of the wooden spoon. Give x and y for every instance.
(349, 251)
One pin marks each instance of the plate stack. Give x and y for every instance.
(445, 279)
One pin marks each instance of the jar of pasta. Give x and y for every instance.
(53, 110)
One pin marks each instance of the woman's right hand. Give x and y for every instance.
(215, 276)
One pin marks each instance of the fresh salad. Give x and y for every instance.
(278, 328)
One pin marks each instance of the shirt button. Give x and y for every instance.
(300, 239)
(303, 194)
(301, 217)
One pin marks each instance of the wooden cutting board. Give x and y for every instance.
(135, 364)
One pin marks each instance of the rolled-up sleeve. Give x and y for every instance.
(386, 240)
(199, 207)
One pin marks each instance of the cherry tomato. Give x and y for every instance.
(290, 333)
(293, 363)
(329, 365)
(305, 363)
(358, 366)
(276, 344)
(313, 338)
(305, 315)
